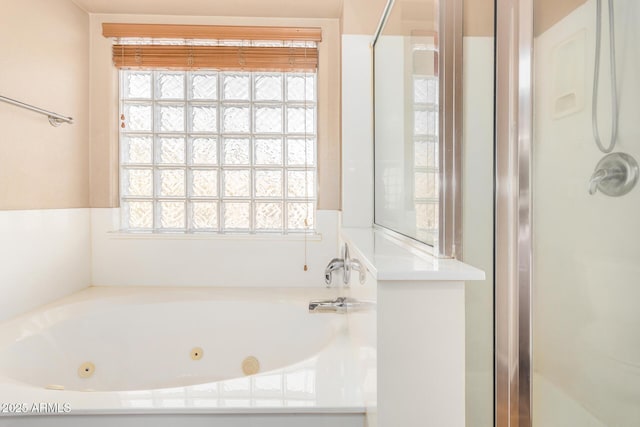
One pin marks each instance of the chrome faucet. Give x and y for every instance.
(337, 305)
(347, 264)
(341, 305)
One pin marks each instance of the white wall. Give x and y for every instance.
(357, 131)
(586, 248)
(188, 260)
(46, 254)
(477, 188)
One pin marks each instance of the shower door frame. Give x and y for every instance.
(513, 213)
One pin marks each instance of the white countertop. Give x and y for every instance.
(388, 259)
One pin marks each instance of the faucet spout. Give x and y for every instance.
(328, 306)
(341, 305)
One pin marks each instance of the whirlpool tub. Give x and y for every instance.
(208, 356)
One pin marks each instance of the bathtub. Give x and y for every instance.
(204, 355)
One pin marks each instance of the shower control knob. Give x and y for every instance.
(615, 175)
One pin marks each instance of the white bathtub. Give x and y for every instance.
(138, 345)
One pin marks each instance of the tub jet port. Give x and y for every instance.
(250, 365)
(197, 353)
(86, 370)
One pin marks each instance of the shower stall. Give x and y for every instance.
(567, 213)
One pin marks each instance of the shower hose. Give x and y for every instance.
(596, 78)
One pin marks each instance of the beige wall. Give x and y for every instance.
(44, 57)
(410, 17)
(548, 12)
(104, 102)
(264, 8)
(362, 16)
(477, 17)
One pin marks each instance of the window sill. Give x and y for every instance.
(389, 259)
(314, 237)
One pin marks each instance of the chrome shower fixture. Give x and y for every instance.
(615, 175)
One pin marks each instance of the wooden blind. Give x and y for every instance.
(251, 58)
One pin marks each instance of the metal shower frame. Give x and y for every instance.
(513, 212)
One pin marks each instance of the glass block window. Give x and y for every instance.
(221, 152)
(425, 156)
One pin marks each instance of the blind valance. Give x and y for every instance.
(220, 47)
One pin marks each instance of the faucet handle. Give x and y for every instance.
(598, 176)
(333, 265)
(615, 175)
(356, 265)
(352, 264)
(346, 277)
(347, 264)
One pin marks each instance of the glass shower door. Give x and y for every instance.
(586, 214)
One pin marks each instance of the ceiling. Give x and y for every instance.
(244, 8)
